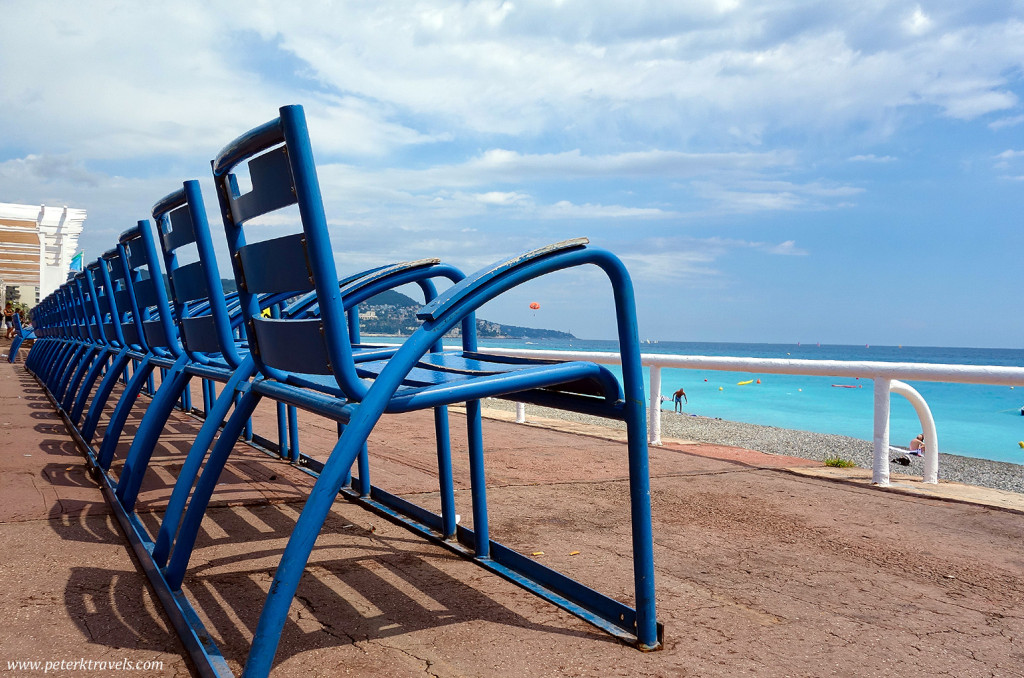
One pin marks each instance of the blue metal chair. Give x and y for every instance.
(194, 338)
(206, 319)
(21, 334)
(209, 329)
(310, 363)
(113, 354)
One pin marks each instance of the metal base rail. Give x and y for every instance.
(603, 612)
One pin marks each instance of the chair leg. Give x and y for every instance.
(640, 518)
(98, 365)
(477, 479)
(174, 381)
(106, 387)
(363, 463)
(112, 435)
(186, 538)
(282, 430)
(303, 537)
(56, 369)
(446, 484)
(217, 413)
(84, 365)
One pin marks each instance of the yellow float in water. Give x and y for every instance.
(1021, 443)
(720, 388)
(744, 383)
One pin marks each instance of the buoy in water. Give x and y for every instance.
(1021, 443)
(744, 383)
(759, 381)
(720, 388)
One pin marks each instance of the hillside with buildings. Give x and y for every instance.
(393, 313)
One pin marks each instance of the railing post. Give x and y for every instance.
(931, 437)
(520, 413)
(654, 420)
(880, 470)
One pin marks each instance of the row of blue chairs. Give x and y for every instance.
(291, 334)
(21, 335)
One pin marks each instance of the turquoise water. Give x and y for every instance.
(972, 420)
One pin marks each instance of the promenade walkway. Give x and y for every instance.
(760, 570)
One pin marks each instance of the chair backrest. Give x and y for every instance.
(41, 317)
(71, 310)
(68, 325)
(88, 327)
(197, 293)
(103, 302)
(114, 274)
(146, 291)
(282, 173)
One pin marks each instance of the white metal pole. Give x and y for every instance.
(654, 420)
(880, 470)
(520, 413)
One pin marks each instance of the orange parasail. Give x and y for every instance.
(534, 305)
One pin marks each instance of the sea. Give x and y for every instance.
(971, 419)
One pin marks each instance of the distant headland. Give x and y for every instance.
(393, 313)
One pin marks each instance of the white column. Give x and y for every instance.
(654, 418)
(520, 413)
(880, 470)
(43, 281)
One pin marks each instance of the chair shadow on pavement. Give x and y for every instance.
(112, 609)
(360, 585)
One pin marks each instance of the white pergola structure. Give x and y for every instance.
(36, 245)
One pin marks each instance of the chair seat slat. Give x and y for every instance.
(276, 265)
(190, 282)
(272, 186)
(293, 345)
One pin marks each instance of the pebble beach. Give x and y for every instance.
(804, 444)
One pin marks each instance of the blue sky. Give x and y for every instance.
(842, 172)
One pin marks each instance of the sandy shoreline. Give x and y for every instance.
(804, 444)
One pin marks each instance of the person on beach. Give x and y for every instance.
(917, 445)
(678, 397)
(9, 320)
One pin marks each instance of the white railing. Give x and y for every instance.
(886, 377)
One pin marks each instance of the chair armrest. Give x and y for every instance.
(384, 272)
(356, 282)
(469, 285)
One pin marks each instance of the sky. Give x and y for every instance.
(845, 172)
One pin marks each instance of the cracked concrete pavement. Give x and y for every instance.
(758, 571)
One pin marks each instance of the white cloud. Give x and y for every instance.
(1010, 154)
(184, 80)
(694, 260)
(761, 195)
(918, 23)
(870, 157)
(787, 248)
(502, 198)
(564, 209)
(1010, 121)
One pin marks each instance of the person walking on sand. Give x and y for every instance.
(678, 397)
